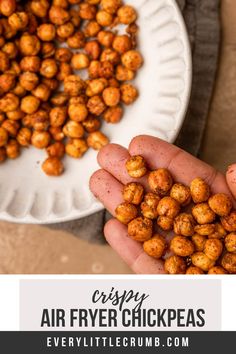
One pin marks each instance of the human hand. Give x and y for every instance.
(107, 184)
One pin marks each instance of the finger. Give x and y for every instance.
(112, 158)
(107, 189)
(131, 251)
(231, 179)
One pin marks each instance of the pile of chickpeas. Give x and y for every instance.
(191, 229)
(43, 100)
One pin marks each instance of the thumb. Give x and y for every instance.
(231, 179)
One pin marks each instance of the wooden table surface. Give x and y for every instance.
(34, 249)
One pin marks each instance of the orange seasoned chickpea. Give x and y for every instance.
(28, 80)
(205, 230)
(76, 148)
(40, 140)
(149, 205)
(18, 90)
(8, 31)
(65, 31)
(192, 270)
(165, 223)
(77, 41)
(94, 69)
(203, 214)
(14, 68)
(124, 74)
(219, 232)
(133, 193)
(46, 32)
(87, 11)
(61, 3)
(184, 224)
(160, 181)
(91, 29)
(200, 260)
(128, 93)
(181, 246)
(59, 99)
(81, 99)
(175, 265)
(10, 49)
(18, 20)
(63, 55)
(42, 92)
(3, 136)
(11, 126)
(73, 85)
(105, 38)
(140, 229)
(29, 104)
(136, 166)
(230, 242)
(52, 84)
(78, 112)
(217, 270)
(15, 115)
(3, 154)
(48, 49)
(155, 247)
(58, 15)
(169, 207)
(111, 96)
(127, 15)
(229, 222)
(73, 129)
(56, 133)
(111, 6)
(40, 8)
(4, 61)
(8, 103)
(24, 137)
(56, 149)
(2, 117)
(200, 190)
(132, 60)
(96, 86)
(213, 248)
(199, 242)
(110, 55)
(96, 105)
(122, 43)
(29, 44)
(40, 120)
(93, 49)
(104, 19)
(7, 7)
(91, 124)
(229, 262)
(97, 140)
(113, 114)
(7, 82)
(74, 17)
(221, 204)
(12, 149)
(93, 2)
(53, 166)
(106, 69)
(58, 116)
(80, 61)
(64, 71)
(126, 212)
(181, 193)
(48, 68)
(30, 63)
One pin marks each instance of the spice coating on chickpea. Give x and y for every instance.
(104, 18)
(133, 193)
(80, 61)
(53, 166)
(12, 149)
(136, 166)
(175, 265)
(76, 148)
(96, 105)
(40, 140)
(113, 115)
(181, 193)
(57, 149)
(3, 154)
(200, 260)
(132, 60)
(203, 214)
(149, 205)
(111, 96)
(181, 246)
(165, 223)
(217, 270)
(199, 242)
(192, 270)
(127, 14)
(128, 93)
(126, 212)
(229, 222)
(169, 207)
(200, 190)
(46, 32)
(3, 136)
(205, 230)
(155, 247)
(24, 136)
(73, 129)
(29, 104)
(140, 229)
(213, 248)
(97, 140)
(221, 204)
(184, 224)
(160, 181)
(29, 44)
(91, 124)
(111, 6)
(219, 232)
(229, 262)
(230, 242)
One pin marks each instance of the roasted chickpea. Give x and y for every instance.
(113, 115)
(2, 117)
(75, 18)
(97, 140)
(18, 20)
(133, 193)
(59, 99)
(48, 68)
(91, 29)
(122, 44)
(96, 86)
(52, 84)
(29, 44)
(202, 261)
(93, 49)
(175, 265)
(58, 15)
(128, 93)
(155, 247)
(53, 166)
(165, 223)
(42, 92)
(3, 154)
(87, 11)
(15, 115)
(40, 8)
(4, 61)
(46, 32)
(11, 126)
(57, 149)
(149, 205)
(203, 214)
(73, 129)
(104, 18)
(3, 136)
(30, 63)
(213, 248)
(105, 38)
(29, 104)
(77, 41)
(63, 55)
(127, 15)
(40, 139)
(32, 24)
(91, 124)
(230, 242)
(78, 112)
(93, 2)
(7, 82)
(56, 133)
(184, 224)
(111, 96)
(48, 50)
(62, 3)
(160, 181)
(111, 6)
(12, 149)
(76, 148)
(136, 166)
(132, 60)
(65, 70)
(169, 207)
(7, 7)
(126, 212)
(94, 69)
(96, 105)
(28, 80)
(181, 246)
(221, 204)
(140, 229)
(229, 222)
(192, 270)
(10, 49)
(8, 31)
(40, 120)
(106, 70)
(219, 232)
(8, 103)
(24, 137)
(217, 270)
(80, 61)
(200, 190)
(82, 99)
(124, 74)
(181, 193)
(205, 230)
(110, 55)
(73, 85)
(58, 116)
(66, 30)
(229, 262)
(199, 242)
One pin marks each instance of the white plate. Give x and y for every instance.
(27, 195)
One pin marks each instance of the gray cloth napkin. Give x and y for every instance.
(203, 25)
